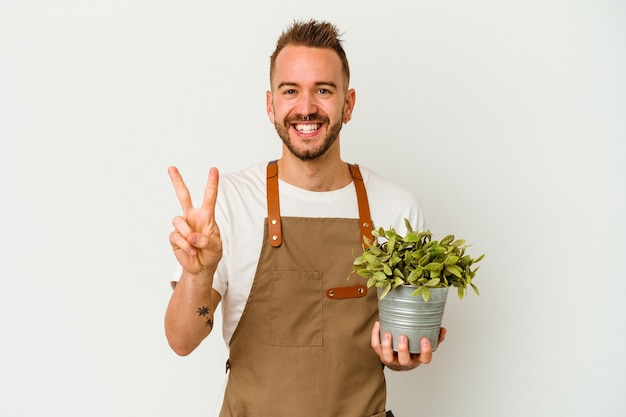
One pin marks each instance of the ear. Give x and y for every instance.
(349, 105)
(269, 106)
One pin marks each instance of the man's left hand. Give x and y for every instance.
(402, 360)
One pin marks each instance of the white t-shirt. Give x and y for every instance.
(242, 208)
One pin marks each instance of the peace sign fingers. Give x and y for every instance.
(210, 191)
(182, 192)
(196, 237)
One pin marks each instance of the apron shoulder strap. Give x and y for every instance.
(365, 219)
(273, 205)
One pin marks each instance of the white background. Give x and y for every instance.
(506, 118)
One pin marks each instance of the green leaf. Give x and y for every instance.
(370, 258)
(447, 240)
(391, 234)
(426, 294)
(415, 274)
(454, 270)
(437, 250)
(380, 276)
(412, 238)
(391, 243)
(417, 291)
(371, 282)
(375, 250)
(475, 289)
(394, 259)
(384, 293)
(451, 260)
(433, 282)
(434, 266)
(426, 235)
(424, 260)
(465, 261)
(461, 292)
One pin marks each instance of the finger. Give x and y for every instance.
(442, 335)
(181, 226)
(182, 192)
(178, 242)
(426, 351)
(210, 191)
(198, 240)
(404, 356)
(387, 348)
(376, 338)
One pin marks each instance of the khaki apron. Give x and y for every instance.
(302, 346)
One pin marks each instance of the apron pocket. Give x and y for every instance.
(296, 309)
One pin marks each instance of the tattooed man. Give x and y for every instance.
(275, 245)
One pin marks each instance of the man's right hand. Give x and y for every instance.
(196, 237)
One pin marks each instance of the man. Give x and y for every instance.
(303, 340)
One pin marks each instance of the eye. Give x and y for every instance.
(323, 91)
(289, 92)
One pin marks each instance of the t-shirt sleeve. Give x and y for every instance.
(391, 204)
(220, 279)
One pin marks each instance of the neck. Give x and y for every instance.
(322, 174)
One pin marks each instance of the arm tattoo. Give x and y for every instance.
(204, 311)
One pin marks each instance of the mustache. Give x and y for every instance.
(314, 117)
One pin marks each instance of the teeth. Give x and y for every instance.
(308, 127)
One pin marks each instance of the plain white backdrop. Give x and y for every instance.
(506, 118)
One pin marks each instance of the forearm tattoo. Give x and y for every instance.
(203, 312)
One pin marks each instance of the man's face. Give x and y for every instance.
(309, 100)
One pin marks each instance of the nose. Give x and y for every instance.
(307, 104)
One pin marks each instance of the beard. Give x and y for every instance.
(308, 154)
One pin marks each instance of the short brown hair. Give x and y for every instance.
(314, 34)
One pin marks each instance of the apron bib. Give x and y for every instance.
(302, 346)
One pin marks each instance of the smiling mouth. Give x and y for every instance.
(307, 127)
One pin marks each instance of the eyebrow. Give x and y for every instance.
(317, 84)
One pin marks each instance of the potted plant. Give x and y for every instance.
(412, 274)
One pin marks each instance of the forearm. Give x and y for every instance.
(189, 315)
